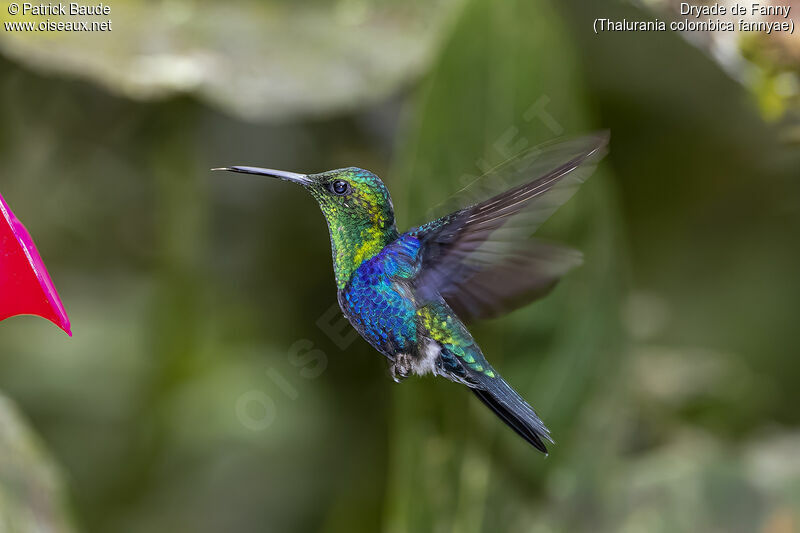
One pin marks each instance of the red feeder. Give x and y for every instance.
(25, 285)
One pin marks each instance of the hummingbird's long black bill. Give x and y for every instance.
(302, 179)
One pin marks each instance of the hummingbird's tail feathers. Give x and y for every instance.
(512, 409)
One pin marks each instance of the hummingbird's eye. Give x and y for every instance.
(339, 187)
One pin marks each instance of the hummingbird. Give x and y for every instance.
(409, 294)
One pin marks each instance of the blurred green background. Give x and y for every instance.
(210, 385)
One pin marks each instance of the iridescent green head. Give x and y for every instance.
(357, 208)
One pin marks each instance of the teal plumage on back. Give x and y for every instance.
(407, 294)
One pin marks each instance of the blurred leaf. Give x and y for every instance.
(32, 496)
(257, 60)
(507, 80)
(693, 483)
(767, 64)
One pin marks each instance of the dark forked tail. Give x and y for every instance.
(513, 410)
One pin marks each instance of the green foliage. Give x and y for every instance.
(209, 387)
(520, 82)
(31, 488)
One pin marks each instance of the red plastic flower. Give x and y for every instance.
(25, 285)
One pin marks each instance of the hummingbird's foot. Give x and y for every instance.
(401, 368)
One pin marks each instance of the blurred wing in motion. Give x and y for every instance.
(480, 258)
(488, 287)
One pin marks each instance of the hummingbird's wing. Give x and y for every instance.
(494, 283)
(480, 258)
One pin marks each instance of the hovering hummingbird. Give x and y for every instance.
(408, 293)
